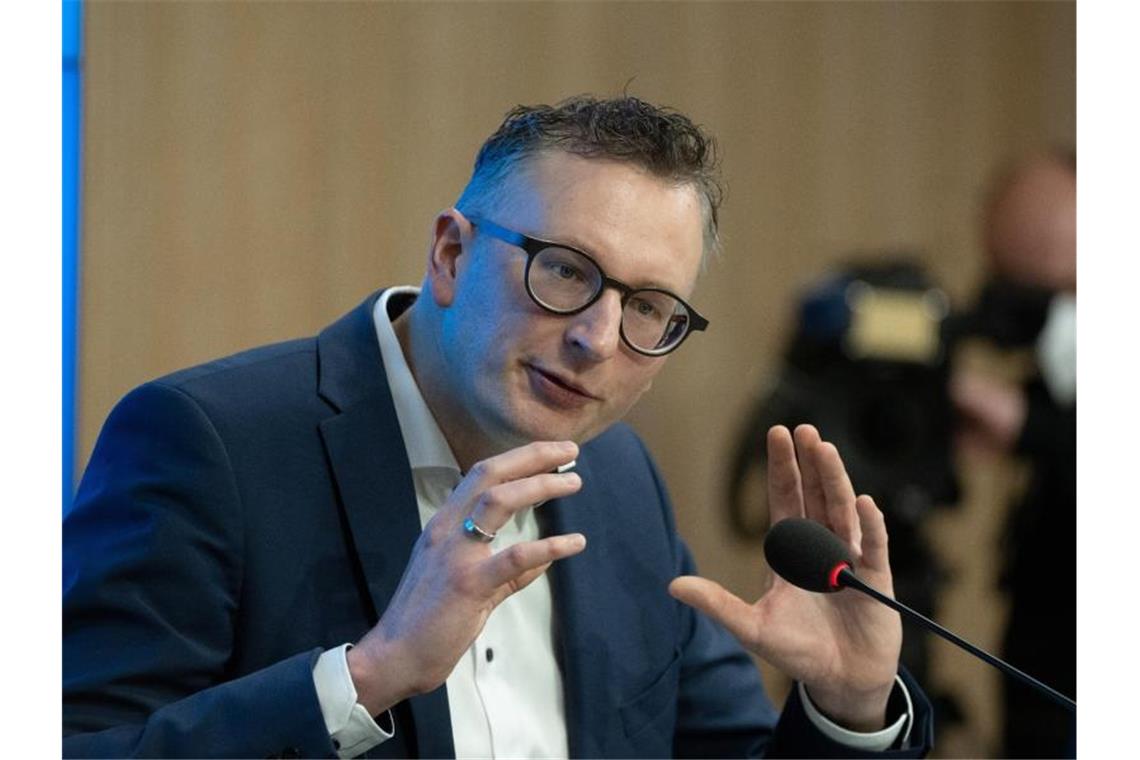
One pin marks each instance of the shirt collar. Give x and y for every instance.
(423, 440)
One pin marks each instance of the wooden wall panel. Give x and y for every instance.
(253, 170)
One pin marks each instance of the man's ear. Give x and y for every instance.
(450, 233)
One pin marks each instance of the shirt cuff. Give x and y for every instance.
(877, 741)
(351, 728)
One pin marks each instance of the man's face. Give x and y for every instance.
(520, 373)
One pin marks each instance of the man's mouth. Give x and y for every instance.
(562, 382)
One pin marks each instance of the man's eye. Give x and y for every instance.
(645, 309)
(565, 271)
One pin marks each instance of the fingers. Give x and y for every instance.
(498, 487)
(815, 502)
(785, 489)
(874, 529)
(717, 602)
(839, 496)
(532, 459)
(511, 566)
(495, 506)
(815, 486)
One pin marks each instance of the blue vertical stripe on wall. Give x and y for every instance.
(72, 60)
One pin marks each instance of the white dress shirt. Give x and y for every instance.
(505, 694)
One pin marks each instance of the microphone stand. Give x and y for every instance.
(848, 579)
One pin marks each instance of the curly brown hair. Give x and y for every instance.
(660, 140)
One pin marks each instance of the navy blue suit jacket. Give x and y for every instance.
(238, 518)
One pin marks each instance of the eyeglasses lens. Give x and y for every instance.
(653, 321)
(564, 281)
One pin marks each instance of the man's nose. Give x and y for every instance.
(596, 332)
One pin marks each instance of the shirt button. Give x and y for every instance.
(490, 654)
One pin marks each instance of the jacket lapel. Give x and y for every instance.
(576, 584)
(374, 480)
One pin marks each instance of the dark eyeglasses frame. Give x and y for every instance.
(533, 246)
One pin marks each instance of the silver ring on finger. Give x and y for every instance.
(472, 529)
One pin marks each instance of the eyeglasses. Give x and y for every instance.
(564, 280)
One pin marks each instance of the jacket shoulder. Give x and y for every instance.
(252, 363)
(260, 388)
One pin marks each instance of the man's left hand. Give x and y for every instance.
(844, 647)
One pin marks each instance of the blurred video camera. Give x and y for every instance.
(868, 365)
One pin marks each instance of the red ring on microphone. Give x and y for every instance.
(833, 576)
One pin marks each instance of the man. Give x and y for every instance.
(242, 522)
(1030, 235)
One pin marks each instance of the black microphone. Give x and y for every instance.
(806, 554)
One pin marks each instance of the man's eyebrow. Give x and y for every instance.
(571, 241)
(567, 240)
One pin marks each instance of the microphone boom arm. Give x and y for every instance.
(848, 579)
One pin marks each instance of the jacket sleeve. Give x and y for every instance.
(722, 708)
(152, 573)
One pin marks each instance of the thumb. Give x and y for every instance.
(715, 601)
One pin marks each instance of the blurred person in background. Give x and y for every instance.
(1030, 222)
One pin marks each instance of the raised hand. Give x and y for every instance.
(453, 581)
(844, 647)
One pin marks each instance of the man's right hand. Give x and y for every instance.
(453, 582)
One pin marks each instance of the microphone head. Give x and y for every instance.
(806, 554)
